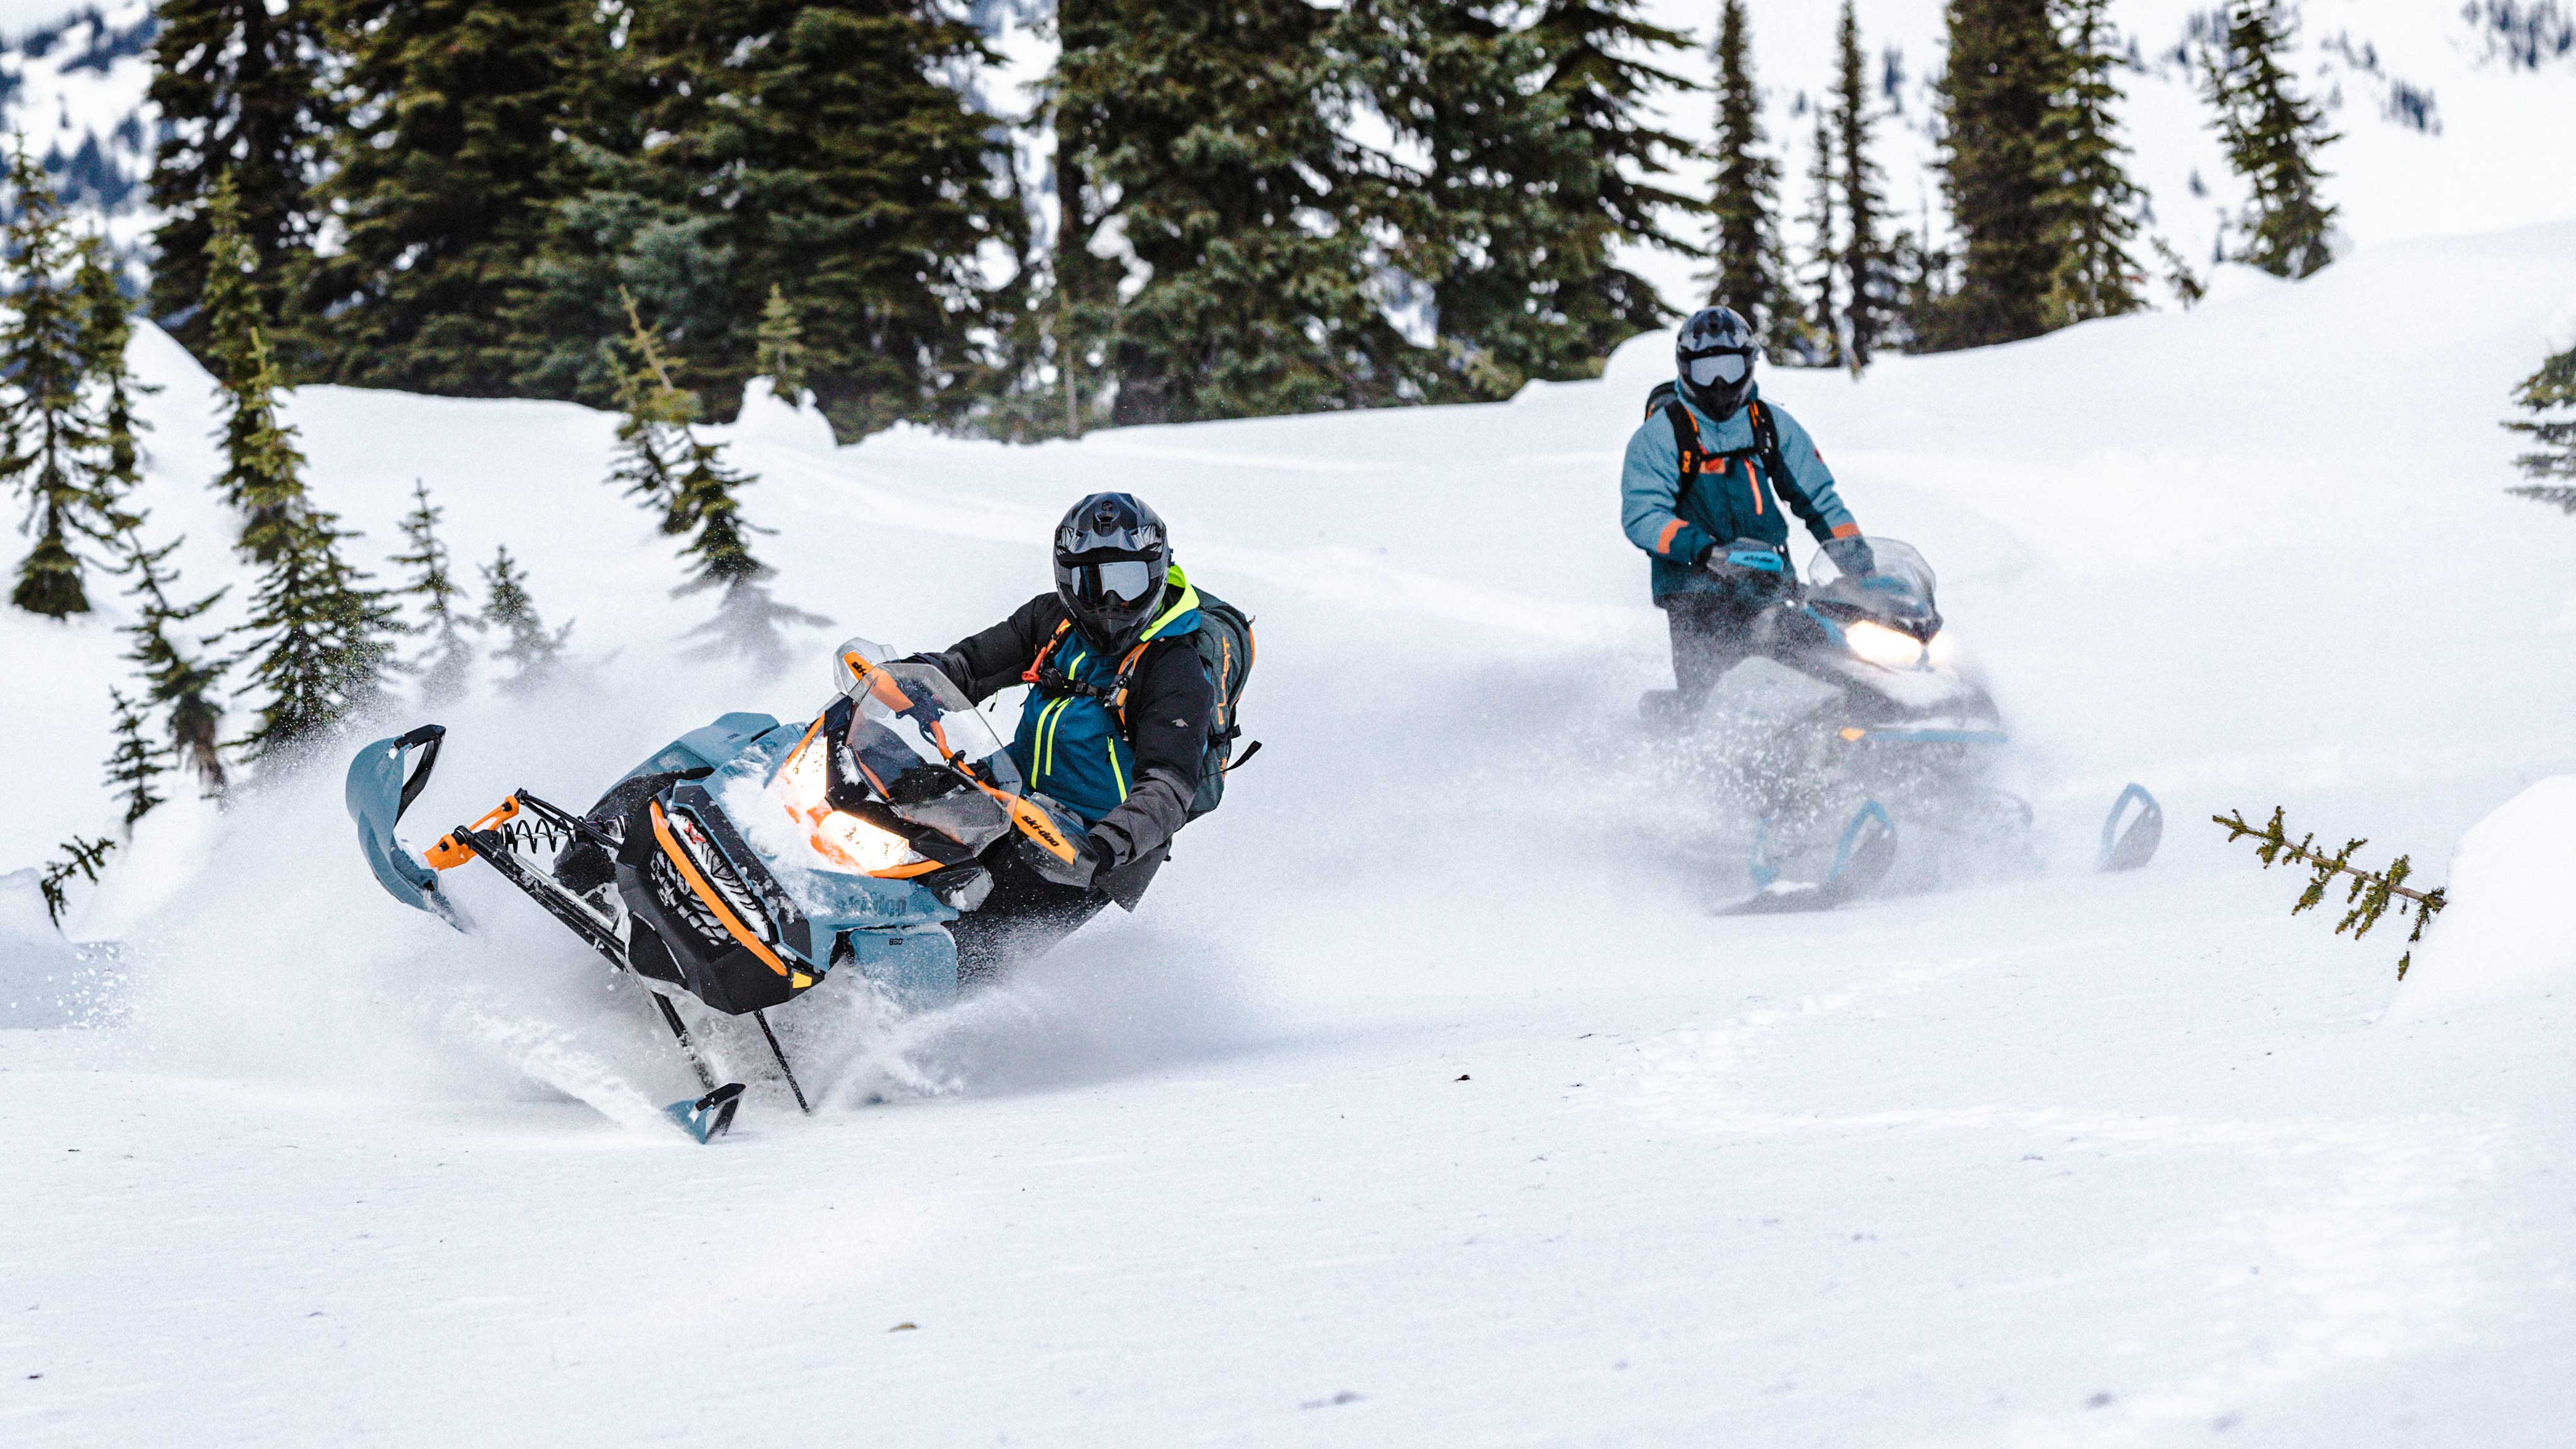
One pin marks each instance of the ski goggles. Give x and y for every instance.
(1125, 583)
(1711, 369)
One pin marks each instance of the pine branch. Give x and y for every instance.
(83, 858)
(2370, 895)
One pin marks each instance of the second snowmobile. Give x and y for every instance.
(1862, 753)
(747, 860)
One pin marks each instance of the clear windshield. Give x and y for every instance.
(1897, 586)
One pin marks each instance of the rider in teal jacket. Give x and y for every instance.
(1711, 477)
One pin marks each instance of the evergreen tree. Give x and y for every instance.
(2188, 288)
(2550, 396)
(2272, 139)
(1999, 102)
(1824, 322)
(2093, 208)
(653, 439)
(49, 433)
(1601, 67)
(782, 348)
(107, 331)
(1485, 221)
(137, 762)
(1210, 138)
(173, 680)
(1869, 278)
(815, 148)
(533, 651)
(321, 641)
(1751, 277)
(263, 473)
(446, 180)
(450, 665)
(237, 87)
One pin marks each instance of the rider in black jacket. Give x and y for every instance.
(1115, 726)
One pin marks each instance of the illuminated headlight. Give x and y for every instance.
(1943, 650)
(844, 840)
(1883, 646)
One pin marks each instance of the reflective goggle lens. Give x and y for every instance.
(1720, 367)
(1127, 582)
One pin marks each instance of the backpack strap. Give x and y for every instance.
(1766, 441)
(1686, 439)
(1038, 669)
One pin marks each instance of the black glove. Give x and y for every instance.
(1851, 555)
(1102, 855)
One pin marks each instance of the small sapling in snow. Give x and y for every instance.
(2371, 894)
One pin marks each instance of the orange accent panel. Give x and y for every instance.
(1753, 485)
(1847, 530)
(1664, 542)
(724, 914)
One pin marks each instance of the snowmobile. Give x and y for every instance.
(1862, 752)
(749, 859)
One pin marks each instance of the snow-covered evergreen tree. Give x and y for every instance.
(2272, 138)
(1752, 276)
(137, 765)
(533, 651)
(449, 666)
(182, 683)
(1869, 277)
(45, 425)
(2550, 396)
(2093, 209)
(653, 438)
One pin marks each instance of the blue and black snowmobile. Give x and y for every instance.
(749, 859)
(1861, 752)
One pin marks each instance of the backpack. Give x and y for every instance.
(1225, 647)
(1665, 398)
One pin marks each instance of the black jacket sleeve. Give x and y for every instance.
(1167, 722)
(985, 664)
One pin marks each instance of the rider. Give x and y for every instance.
(1128, 767)
(1702, 509)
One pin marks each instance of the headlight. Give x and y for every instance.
(844, 840)
(1883, 646)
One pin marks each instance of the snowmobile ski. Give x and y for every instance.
(710, 1116)
(2130, 838)
(1861, 860)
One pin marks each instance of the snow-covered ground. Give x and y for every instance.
(1423, 1102)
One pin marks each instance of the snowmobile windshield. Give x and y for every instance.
(1896, 589)
(912, 725)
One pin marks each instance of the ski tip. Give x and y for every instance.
(2130, 836)
(710, 1116)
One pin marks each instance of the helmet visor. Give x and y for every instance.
(1717, 369)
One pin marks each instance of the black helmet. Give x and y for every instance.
(1112, 563)
(1714, 356)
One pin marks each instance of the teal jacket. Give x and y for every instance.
(1071, 747)
(1733, 495)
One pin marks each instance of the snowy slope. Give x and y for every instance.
(1423, 1102)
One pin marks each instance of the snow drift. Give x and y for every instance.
(2508, 931)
